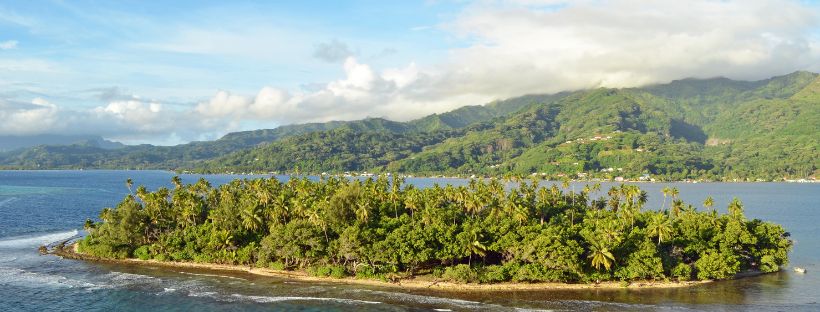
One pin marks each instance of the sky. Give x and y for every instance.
(169, 72)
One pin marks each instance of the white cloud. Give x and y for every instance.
(8, 45)
(136, 115)
(224, 104)
(361, 93)
(25, 119)
(521, 48)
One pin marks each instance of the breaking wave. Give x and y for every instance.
(37, 240)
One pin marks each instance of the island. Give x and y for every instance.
(516, 234)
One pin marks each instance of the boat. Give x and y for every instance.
(800, 270)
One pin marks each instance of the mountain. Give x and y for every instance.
(718, 129)
(9, 143)
(79, 154)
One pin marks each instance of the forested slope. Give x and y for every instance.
(717, 129)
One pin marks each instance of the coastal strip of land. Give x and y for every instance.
(70, 251)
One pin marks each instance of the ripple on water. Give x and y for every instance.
(7, 201)
(429, 300)
(20, 277)
(269, 299)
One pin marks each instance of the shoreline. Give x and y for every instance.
(416, 283)
(268, 174)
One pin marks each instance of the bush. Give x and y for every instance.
(534, 273)
(334, 271)
(142, 253)
(494, 274)
(338, 271)
(716, 265)
(460, 273)
(180, 256)
(365, 271)
(276, 265)
(768, 264)
(245, 254)
(682, 271)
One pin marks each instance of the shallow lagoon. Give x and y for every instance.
(38, 207)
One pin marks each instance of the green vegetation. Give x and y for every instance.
(715, 129)
(485, 232)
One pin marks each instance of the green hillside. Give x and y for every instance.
(718, 129)
(146, 156)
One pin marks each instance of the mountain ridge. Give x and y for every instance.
(662, 130)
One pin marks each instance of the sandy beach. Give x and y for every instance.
(418, 282)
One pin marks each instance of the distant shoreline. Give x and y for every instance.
(797, 181)
(416, 283)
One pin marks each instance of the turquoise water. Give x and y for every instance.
(38, 207)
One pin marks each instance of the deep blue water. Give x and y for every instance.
(38, 207)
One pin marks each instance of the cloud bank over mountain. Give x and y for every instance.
(496, 50)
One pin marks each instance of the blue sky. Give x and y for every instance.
(169, 72)
(188, 50)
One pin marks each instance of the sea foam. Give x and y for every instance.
(35, 241)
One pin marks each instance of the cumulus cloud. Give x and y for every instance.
(549, 46)
(362, 92)
(8, 45)
(332, 52)
(28, 118)
(138, 116)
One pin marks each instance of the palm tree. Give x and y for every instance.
(362, 210)
(395, 189)
(643, 197)
(316, 219)
(666, 191)
(736, 208)
(129, 184)
(89, 225)
(542, 202)
(567, 185)
(660, 226)
(177, 182)
(251, 217)
(709, 202)
(601, 256)
(475, 247)
(614, 198)
(677, 206)
(472, 203)
(412, 199)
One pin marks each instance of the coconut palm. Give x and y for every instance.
(735, 208)
(659, 226)
(474, 246)
(363, 210)
(677, 206)
(177, 182)
(395, 192)
(709, 202)
(601, 256)
(129, 184)
(412, 200)
(251, 216)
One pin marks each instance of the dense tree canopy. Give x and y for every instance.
(487, 231)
